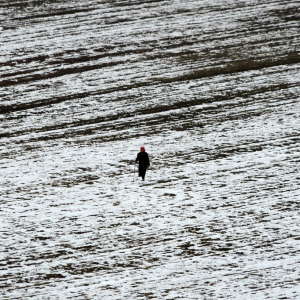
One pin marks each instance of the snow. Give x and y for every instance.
(85, 85)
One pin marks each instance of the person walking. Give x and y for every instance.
(143, 160)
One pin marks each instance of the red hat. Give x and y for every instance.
(142, 149)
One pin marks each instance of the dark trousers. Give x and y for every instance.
(142, 171)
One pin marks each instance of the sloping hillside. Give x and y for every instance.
(210, 88)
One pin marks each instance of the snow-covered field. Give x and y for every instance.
(210, 88)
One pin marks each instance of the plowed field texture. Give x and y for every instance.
(210, 88)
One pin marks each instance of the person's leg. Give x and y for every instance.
(143, 173)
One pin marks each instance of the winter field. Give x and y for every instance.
(210, 88)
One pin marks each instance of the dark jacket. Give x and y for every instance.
(143, 159)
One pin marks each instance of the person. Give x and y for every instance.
(143, 160)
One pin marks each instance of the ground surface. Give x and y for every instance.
(210, 88)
